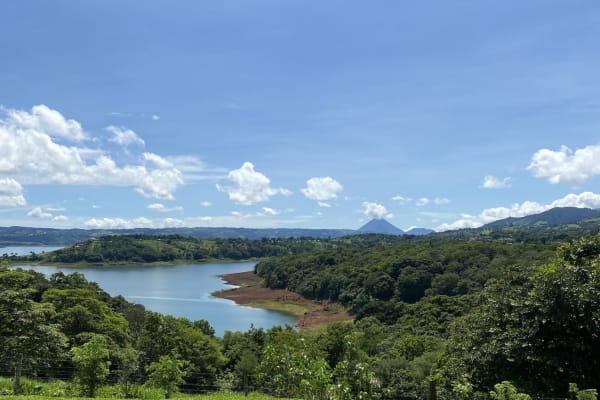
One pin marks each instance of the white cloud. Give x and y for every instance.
(54, 209)
(161, 208)
(401, 199)
(323, 204)
(321, 189)
(582, 200)
(440, 201)
(60, 218)
(250, 186)
(423, 201)
(194, 169)
(44, 119)
(155, 117)
(11, 193)
(269, 211)
(206, 204)
(374, 210)
(491, 182)
(123, 136)
(130, 223)
(566, 166)
(29, 155)
(38, 212)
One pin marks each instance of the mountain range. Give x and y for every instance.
(570, 217)
(553, 217)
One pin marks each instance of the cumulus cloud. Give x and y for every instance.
(582, 200)
(124, 137)
(269, 211)
(321, 189)
(250, 186)
(401, 199)
(38, 212)
(374, 210)
(130, 223)
(11, 193)
(491, 182)
(206, 204)
(162, 208)
(324, 204)
(29, 155)
(60, 218)
(44, 119)
(566, 166)
(423, 201)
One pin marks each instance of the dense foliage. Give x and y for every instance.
(433, 315)
(536, 326)
(421, 284)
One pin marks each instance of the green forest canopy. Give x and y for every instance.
(462, 314)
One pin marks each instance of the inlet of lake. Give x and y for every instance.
(182, 290)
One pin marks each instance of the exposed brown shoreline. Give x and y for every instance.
(250, 291)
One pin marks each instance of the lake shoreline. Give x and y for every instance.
(128, 263)
(309, 314)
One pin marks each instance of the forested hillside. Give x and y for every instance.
(148, 249)
(466, 315)
(395, 281)
(448, 317)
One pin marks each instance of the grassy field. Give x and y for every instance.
(297, 309)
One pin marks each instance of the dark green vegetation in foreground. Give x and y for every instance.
(437, 311)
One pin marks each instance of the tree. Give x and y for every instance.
(91, 363)
(289, 368)
(536, 327)
(28, 334)
(164, 335)
(166, 374)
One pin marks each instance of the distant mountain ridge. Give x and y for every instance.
(380, 226)
(556, 219)
(553, 217)
(25, 236)
(419, 231)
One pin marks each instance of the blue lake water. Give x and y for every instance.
(25, 250)
(180, 290)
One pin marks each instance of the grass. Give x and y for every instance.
(215, 396)
(52, 390)
(294, 308)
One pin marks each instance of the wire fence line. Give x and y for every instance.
(195, 383)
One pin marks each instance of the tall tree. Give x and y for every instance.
(29, 338)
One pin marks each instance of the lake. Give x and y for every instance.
(180, 290)
(25, 250)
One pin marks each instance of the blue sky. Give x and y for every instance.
(283, 113)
